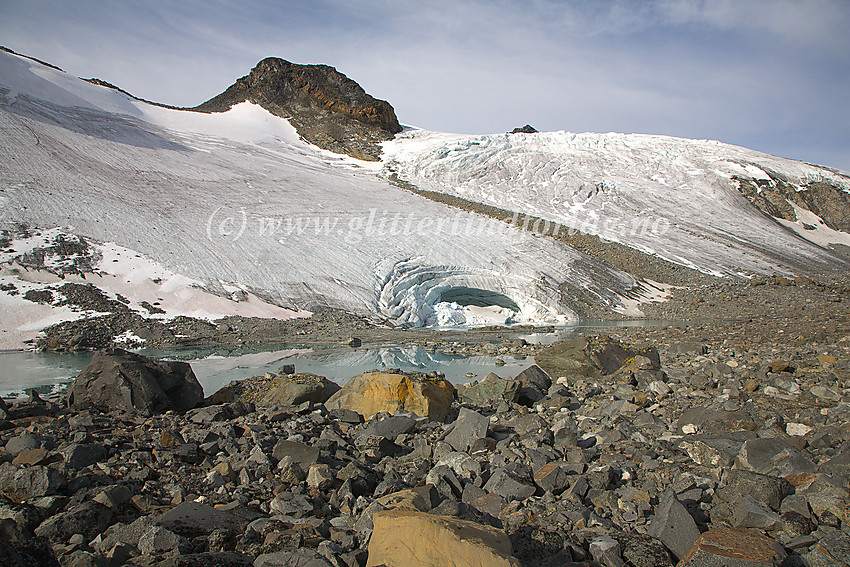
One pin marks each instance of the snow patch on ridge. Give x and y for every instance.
(813, 228)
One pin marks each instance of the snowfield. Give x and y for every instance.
(672, 197)
(236, 201)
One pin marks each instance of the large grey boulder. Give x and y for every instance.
(295, 389)
(119, 380)
(296, 558)
(491, 389)
(191, 519)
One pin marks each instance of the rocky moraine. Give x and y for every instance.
(716, 443)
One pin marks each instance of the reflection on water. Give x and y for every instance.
(20, 371)
(44, 371)
(340, 365)
(25, 370)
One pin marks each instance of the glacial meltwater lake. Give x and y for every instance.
(48, 372)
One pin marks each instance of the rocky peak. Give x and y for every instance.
(326, 107)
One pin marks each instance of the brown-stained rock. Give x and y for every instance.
(371, 392)
(411, 538)
(740, 547)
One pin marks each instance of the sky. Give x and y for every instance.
(771, 75)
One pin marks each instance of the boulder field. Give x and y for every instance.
(601, 453)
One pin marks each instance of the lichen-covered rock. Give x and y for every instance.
(593, 356)
(371, 392)
(119, 380)
(491, 389)
(89, 519)
(23, 483)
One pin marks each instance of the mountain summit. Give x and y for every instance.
(327, 108)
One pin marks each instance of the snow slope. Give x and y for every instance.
(672, 197)
(237, 201)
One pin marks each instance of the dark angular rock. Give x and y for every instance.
(298, 558)
(723, 547)
(509, 485)
(119, 380)
(345, 415)
(534, 384)
(467, 429)
(712, 450)
(643, 551)
(388, 427)
(30, 482)
(191, 519)
(81, 455)
(796, 525)
(673, 525)
(89, 519)
(208, 559)
(19, 549)
(210, 414)
(127, 534)
(833, 550)
(607, 551)
(304, 455)
(717, 421)
(769, 490)
(157, 540)
(80, 558)
(295, 389)
(23, 442)
(552, 477)
(748, 512)
(758, 454)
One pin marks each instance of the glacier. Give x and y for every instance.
(671, 197)
(250, 219)
(237, 201)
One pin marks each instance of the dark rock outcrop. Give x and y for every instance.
(327, 108)
(119, 380)
(777, 195)
(527, 129)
